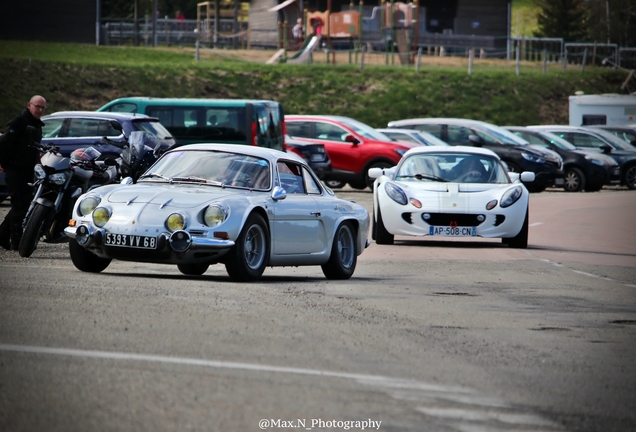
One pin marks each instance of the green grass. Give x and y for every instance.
(73, 77)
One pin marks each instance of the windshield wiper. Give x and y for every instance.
(424, 177)
(191, 179)
(154, 175)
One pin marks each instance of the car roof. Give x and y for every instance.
(270, 154)
(452, 149)
(97, 114)
(191, 101)
(436, 120)
(318, 117)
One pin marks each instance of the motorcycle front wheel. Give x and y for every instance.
(32, 230)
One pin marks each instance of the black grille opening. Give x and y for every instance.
(408, 218)
(499, 219)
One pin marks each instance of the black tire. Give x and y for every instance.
(343, 259)
(520, 241)
(358, 185)
(382, 236)
(193, 269)
(629, 177)
(335, 184)
(246, 261)
(377, 164)
(32, 230)
(86, 261)
(574, 180)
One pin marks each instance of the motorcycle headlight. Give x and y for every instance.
(532, 157)
(511, 196)
(39, 172)
(101, 215)
(88, 204)
(395, 193)
(58, 179)
(214, 215)
(175, 222)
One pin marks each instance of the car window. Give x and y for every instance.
(124, 107)
(532, 138)
(291, 177)
(402, 136)
(153, 127)
(310, 183)
(81, 127)
(458, 135)
(433, 129)
(454, 167)
(328, 131)
(270, 125)
(585, 140)
(52, 127)
(299, 129)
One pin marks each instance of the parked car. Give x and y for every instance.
(602, 142)
(584, 169)
(314, 154)
(353, 147)
(450, 191)
(626, 132)
(70, 130)
(201, 204)
(413, 135)
(514, 151)
(231, 121)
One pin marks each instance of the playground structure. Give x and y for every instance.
(398, 30)
(209, 15)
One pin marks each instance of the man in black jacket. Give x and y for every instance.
(18, 158)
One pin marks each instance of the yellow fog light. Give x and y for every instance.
(101, 215)
(214, 216)
(175, 222)
(88, 204)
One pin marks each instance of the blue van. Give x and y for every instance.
(231, 121)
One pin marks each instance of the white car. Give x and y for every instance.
(455, 191)
(201, 204)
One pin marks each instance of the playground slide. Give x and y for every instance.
(276, 56)
(304, 51)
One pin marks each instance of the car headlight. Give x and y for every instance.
(395, 193)
(214, 215)
(101, 215)
(595, 161)
(511, 196)
(175, 222)
(58, 179)
(532, 157)
(88, 204)
(39, 172)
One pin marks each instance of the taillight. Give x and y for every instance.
(254, 137)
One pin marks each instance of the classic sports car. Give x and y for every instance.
(455, 191)
(201, 204)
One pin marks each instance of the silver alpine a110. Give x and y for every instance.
(203, 204)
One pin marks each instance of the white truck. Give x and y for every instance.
(602, 109)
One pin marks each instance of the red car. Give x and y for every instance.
(352, 146)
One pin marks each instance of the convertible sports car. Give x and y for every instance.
(201, 204)
(451, 192)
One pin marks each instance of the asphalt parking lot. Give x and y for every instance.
(427, 335)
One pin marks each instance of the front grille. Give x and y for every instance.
(408, 218)
(499, 219)
(445, 219)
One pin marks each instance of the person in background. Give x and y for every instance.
(179, 15)
(298, 33)
(18, 158)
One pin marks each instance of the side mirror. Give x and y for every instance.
(126, 181)
(351, 139)
(379, 172)
(115, 124)
(279, 193)
(475, 140)
(606, 148)
(527, 177)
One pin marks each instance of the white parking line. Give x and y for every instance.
(536, 224)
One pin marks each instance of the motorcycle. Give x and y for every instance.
(60, 181)
(140, 150)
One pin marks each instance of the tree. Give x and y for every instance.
(567, 19)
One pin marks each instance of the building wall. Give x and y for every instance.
(263, 24)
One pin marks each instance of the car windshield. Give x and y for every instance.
(558, 141)
(503, 136)
(211, 167)
(154, 127)
(364, 130)
(613, 140)
(452, 167)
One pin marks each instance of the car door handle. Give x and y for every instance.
(315, 213)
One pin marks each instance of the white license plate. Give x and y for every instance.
(559, 182)
(448, 231)
(132, 241)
